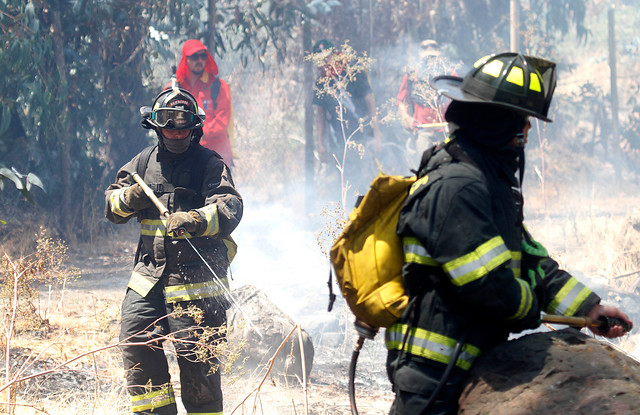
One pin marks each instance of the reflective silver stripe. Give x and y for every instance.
(153, 400)
(430, 345)
(415, 252)
(204, 413)
(211, 215)
(479, 262)
(157, 227)
(526, 301)
(516, 263)
(140, 284)
(117, 207)
(569, 298)
(187, 292)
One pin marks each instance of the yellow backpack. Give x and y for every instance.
(367, 257)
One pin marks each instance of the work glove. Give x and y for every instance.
(135, 198)
(189, 221)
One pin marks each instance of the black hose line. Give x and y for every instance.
(352, 375)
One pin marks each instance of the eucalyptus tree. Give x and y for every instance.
(75, 73)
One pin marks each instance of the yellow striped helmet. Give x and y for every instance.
(511, 80)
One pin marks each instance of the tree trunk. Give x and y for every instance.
(62, 127)
(213, 23)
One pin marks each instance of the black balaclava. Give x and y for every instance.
(490, 129)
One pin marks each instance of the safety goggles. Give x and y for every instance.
(202, 56)
(177, 119)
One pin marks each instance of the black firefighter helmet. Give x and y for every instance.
(174, 109)
(509, 80)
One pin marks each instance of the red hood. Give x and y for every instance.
(190, 47)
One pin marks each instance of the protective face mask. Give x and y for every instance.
(178, 146)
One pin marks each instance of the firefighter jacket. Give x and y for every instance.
(195, 180)
(472, 271)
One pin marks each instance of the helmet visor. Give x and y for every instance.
(176, 119)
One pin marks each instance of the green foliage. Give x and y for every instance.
(22, 182)
(76, 72)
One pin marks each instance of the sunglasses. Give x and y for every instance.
(202, 56)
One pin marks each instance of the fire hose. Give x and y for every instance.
(368, 332)
(181, 232)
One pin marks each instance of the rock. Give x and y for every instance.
(274, 325)
(560, 372)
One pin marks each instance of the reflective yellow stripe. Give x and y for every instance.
(516, 263)
(158, 227)
(569, 298)
(534, 83)
(479, 262)
(430, 345)
(188, 292)
(415, 252)
(418, 183)
(516, 76)
(140, 284)
(493, 68)
(153, 400)
(211, 215)
(481, 61)
(526, 301)
(117, 207)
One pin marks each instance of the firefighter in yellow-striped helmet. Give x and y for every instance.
(510, 80)
(472, 271)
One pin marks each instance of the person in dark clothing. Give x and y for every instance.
(346, 116)
(472, 271)
(196, 187)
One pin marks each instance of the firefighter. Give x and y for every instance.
(168, 276)
(472, 270)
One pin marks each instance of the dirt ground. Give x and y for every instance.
(85, 316)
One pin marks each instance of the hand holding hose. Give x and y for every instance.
(614, 323)
(187, 221)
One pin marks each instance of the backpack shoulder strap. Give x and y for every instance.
(143, 160)
(215, 91)
(200, 161)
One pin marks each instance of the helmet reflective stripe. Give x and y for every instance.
(430, 345)
(569, 298)
(493, 68)
(481, 61)
(153, 400)
(187, 292)
(479, 262)
(516, 76)
(534, 83)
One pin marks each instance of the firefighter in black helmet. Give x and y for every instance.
(472, 271)
(168, 276)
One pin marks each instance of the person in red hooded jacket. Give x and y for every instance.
(198, 74)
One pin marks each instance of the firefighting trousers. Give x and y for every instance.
(414, 383)
(144, 321)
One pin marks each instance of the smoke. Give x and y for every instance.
(278, 253)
